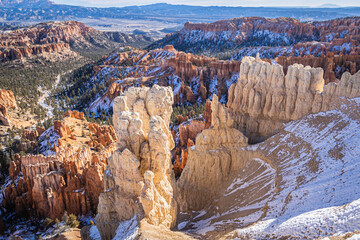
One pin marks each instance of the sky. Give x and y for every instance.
(244, 3)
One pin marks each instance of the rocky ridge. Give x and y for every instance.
(258, 31)
(264, 97)
(59, 40)
(333, 45)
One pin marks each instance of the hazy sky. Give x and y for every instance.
(245, 3)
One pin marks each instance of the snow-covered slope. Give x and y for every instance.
(302, 183)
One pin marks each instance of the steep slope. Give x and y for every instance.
(249, 178)
(300, 184)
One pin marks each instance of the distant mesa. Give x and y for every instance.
(25, 3)
(329, 5)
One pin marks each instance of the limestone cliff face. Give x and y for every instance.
(44, 50)
(7, 101)
(139, 179)
(264, 98)
(211, 160)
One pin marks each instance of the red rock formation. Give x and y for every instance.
(15, 167)
(190, 74)
(333, 65)
(101, 136)
(52, 185)
(63, 129)
(30, 135)
(7, 101)
(187, 137)
(207, 114)
(71, 180)
(190, 131)
(52, 39)
(75, 114)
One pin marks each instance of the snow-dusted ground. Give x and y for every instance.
(46, 94)
(306, 184)
(318, 159)
(47, 140)
(94, 233)
(127, 230)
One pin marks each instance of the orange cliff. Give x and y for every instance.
(7, 101)
(188, 66)
(70, 180)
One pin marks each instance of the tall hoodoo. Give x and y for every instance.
(264, 98)
(211, 160)
(68, 177)
(138, 179)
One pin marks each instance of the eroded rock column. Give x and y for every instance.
(217, 152)
(139, 178)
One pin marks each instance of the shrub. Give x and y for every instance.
(72, 221)
(48, 222)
